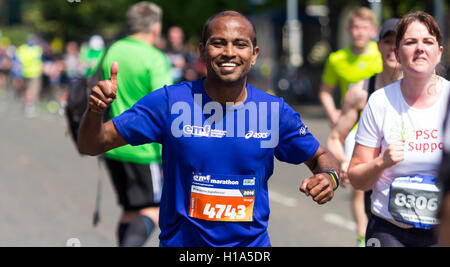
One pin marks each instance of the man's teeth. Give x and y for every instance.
(227, 64)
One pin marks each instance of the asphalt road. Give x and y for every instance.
(48, 191)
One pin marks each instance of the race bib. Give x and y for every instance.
(413, 200)
(228, 198)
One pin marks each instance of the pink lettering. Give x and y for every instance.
(434, 132)
(418, 134)
(426, 146)
(418, 147)
(433, 147)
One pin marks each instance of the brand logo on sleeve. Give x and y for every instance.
(303, 130)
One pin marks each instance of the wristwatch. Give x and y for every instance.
(334, 177)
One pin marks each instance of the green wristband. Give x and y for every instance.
(334, 176)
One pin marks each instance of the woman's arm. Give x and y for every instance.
(368, 164)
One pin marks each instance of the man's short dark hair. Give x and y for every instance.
(229, 13)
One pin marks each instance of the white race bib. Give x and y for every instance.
(414, 200)
(229, 198)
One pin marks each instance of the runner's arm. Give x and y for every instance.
(368, 164)
(320, 186)
(328, 103)
(94, 136)
(354, 102)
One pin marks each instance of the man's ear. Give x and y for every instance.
(256, 51)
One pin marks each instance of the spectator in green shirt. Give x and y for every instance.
(136, 171)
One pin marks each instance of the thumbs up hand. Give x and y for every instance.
(105, 92)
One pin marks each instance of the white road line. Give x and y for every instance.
(331, 218)
(339, 221)
(283, 200)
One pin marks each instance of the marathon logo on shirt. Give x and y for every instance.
(250, 120)
(207, 179)
(205, 131)
(201, 178)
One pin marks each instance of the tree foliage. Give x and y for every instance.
(78, 19)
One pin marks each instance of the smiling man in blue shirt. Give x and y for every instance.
(219, 136)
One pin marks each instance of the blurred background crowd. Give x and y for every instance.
(47, 45)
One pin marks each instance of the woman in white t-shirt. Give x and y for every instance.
(399, 141)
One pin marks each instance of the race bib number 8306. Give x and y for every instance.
(414, 200)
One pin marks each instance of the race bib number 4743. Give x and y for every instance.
(228, 199)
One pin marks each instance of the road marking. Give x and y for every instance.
(283, 200)
(340, 221)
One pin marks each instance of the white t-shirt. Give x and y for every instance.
(388, 118)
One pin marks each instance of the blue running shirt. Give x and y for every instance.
(216, 161)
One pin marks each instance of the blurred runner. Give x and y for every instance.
(92, 54)
(354, 102)
(30, 57)
(5, 67)
(352, 64)
(16, 72)
(136, 171)
(359, 61)
(177, 53)
(74, 69)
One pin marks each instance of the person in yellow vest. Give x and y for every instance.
(358, 61)
(30, 56)
(342, 138)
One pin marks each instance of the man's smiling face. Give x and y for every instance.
(229, 52)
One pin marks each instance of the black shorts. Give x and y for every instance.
(367, 202)
(137, 186)
(383, 233)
